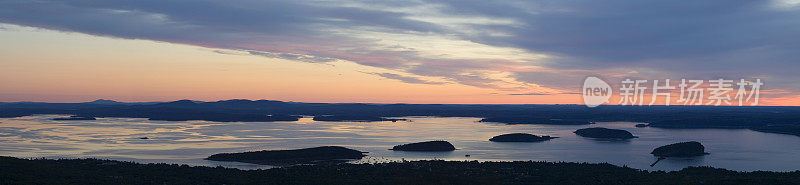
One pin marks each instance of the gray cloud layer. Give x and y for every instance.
(406, 79)
(669, 39)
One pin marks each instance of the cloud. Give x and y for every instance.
(292, 56)
(518, 46)
(529, 94)
(406, 79)
(677, 39)
(407, 36)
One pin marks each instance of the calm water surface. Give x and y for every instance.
(190, 141)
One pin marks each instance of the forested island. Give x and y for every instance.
(95, 171)
(682, 149)
(75, 118)
(288, 157)
(520, 137)
(604, 133)
(533, 120)
(353, 118)
(427, 146)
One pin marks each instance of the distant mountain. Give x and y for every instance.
(112, 102)
(105, 102)
(178, 103)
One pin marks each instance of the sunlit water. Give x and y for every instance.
(188, 142)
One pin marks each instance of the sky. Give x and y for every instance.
(488, 52)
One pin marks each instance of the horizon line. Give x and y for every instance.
(220, 100)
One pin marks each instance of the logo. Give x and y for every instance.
(595, 92)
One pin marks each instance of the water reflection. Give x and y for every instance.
(191, 141)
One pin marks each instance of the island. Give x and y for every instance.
(288, 157)
(520, 137)
(74, 118)
(530, 120)
(604, 133)
(221, 117)
(427, 146)
(683, 149)
(353, 118)
(641, 125)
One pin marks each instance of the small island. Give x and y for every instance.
(74, 118)
(604, 133)
(288, 157)
(428, 146)
(520, 137)
(683, 149)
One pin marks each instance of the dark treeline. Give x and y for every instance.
(766, 119)
(93, 171)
